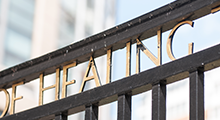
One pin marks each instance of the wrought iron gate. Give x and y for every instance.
(143, 27)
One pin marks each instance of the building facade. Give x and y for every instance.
(31, 28)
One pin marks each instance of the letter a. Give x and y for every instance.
(95, 74)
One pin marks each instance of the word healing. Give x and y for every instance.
(92, 67)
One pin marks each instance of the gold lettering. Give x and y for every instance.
(159, 46)
(190, 48)
(95, 74)
(214, 10)
(7, 102)
(109, 65)
(65, 76)
(137, 59)
(56, 86)
(128, 59)
(170, 40)
(13, 99)
(154, 59)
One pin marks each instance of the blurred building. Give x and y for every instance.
(31, 28)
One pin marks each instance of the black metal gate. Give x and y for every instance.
(143, 27)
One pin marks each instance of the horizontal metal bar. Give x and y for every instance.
(143, 27)
(137, 83)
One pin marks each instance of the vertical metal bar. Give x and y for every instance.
(92, 112)
(159, 101)
(137, 59)
(41, 87)
(61, 116)
(128, 59)
(57, 84)
(196, 95)
(190, 48)
(124, 107)
(109, 65)
(159, 46)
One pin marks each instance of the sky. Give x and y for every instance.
(204, 34)
(129, 9)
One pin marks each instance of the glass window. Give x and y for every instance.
(90, 4)
(18, 44)
(19, 22)
(0, 8)
(21, 15)
(88, 30)
(0, 5)
(67, 23)
(11, 59)
(69, 6)
(27, 6)
(18, 32)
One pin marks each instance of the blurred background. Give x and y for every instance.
(31, 28)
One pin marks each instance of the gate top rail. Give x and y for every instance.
(143, 27)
